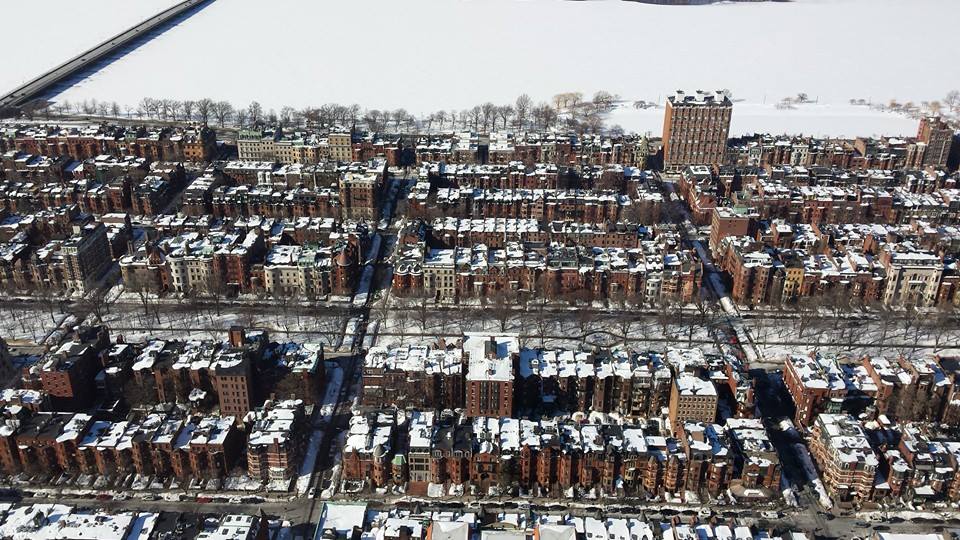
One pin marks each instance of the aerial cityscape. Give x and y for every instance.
(462, 270)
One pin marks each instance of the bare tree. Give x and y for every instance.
(115, 109)
(176, 108)
(465, 317)
(544, 116)
(241, 118)
(501, 310)
(522, 107)
(334, 323)
(255, 112)
(422, 312)
(164, 108)
(399, 117)
(807, 314)
(475, 115)
(223, 111)
(144, 291)
(402, 319)
(603, 100)
(541, 319)
(584, 319)
(489, 113)
(505, 112)
(204, 110)
(188, 107)
(287, 114)
(95, 303)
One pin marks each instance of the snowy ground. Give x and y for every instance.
(777, 338)
(327, 406)
(178, 321)
(28, 324)
(457, 54)
(57, 30)
(560, 330)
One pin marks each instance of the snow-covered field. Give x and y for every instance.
(28, 324)
(40, 35)
(822, 120)
(178, 322)
(778, 338)
(427, 55)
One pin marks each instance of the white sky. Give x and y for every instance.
(425, 55)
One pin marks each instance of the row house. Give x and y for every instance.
(413, 376)
(369, 447)
(765, 275)
(919, 468)
(274, 144)
(848, 464)
(310, 272)
(201, 372)
(246, 201)
(543, 205)
(626, 383)
(816, 384)
(373, 146)
(67, 372)
(84, 142)
(496, 233)
(918, 389)
(515, 175)
(428, 451)
(651, 273)
(277, 440)
(160, 443)
(908, 389)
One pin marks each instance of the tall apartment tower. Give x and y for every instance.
(87, 255)
(695, 129)
(938, 137)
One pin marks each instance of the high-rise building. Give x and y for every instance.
(695, 129)
(490, 373)
(87, 255)
(938, 137)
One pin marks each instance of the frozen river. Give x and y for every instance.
(40, 35)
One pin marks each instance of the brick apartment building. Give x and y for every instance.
(488, 385)
(847, 462)
(816, 385)
(277, 441)
(551, 457)
(938, 138)
(695, 129)
(67, 373)
(626, 383)
(414, 376)
(86, 256)
(692, 399)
